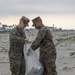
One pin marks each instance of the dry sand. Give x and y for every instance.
(65, 46)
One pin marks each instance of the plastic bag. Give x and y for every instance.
(33, 65)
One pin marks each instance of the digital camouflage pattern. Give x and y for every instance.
(44, 40)
(16, 55)
(36, 20)
(25, 20)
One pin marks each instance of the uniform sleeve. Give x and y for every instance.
(16, 38)
(38, 39)
(24, 35)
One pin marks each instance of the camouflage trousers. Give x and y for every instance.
(17, 63)
(48, 59)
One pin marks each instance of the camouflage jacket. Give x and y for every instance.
(44, 40)
(17, 40)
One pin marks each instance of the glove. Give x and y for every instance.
(28, 52)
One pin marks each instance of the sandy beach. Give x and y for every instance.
(65, 46)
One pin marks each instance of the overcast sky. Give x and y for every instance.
(58, 12)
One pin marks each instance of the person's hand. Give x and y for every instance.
(26, 40)
(28, 52)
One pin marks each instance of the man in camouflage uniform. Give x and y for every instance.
(17, 41)
(44, 40)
